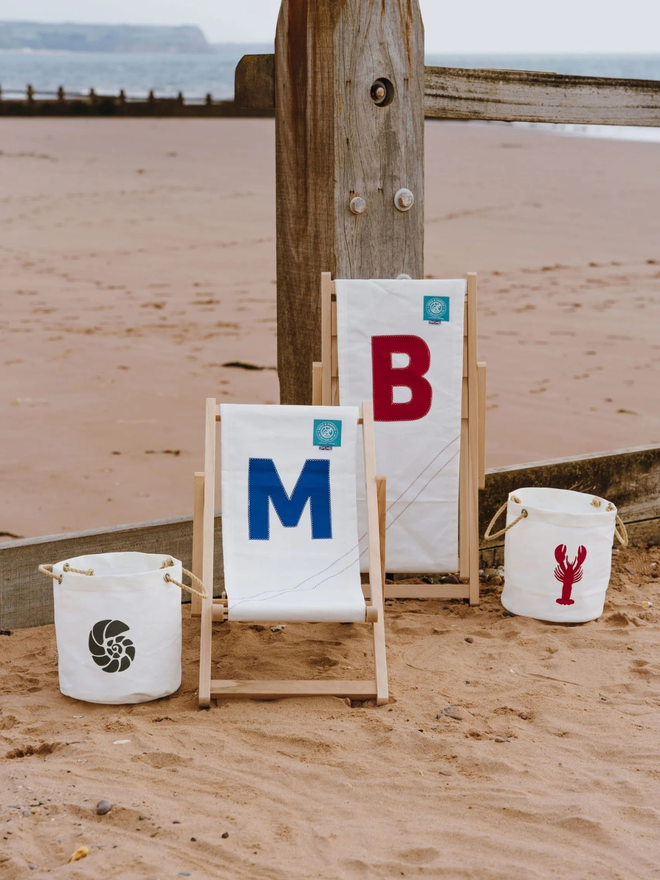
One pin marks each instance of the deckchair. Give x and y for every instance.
(326, 384)
(290, 535)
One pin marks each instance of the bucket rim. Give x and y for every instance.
(86, 561)
(604, 506)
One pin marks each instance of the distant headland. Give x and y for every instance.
(69, 37)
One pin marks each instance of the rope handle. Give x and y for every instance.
(623, 534)
(488, 536)
(47, 569)
(619, 529)
(193, 578)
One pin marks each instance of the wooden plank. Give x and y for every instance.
(463, 493)
(534, 96)
(427, 591)
(375, 571)
(317, 383)
(526, 96)
(273, 690)
(483, 373)
(198, 544)
(473, 439)
(208, 554)
(381, 492)
(254, 83)
(333, 142)
(26, 597)
(326, 338)
(112, 106)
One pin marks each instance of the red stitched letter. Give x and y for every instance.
(386, 378)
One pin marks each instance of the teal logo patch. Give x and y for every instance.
(327, 433)
(436, 309)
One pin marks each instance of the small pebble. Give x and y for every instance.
(501, 739)
(604, 699)
(225, 835)
(194, 839)
(103, 807)
(523, 715)
(469, 639)
(27, 813)
(176, 821)
(446, 772)
(278, 629)
(453, 712)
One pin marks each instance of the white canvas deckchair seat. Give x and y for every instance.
(401, 344)
(290, 526)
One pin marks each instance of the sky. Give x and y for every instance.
(474, 26)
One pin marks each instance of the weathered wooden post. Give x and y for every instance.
(349, 98)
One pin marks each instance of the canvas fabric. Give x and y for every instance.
(291, 576)
(534, 554)
(419, 458)
(118, 632)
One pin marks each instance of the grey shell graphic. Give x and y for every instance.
(110, 649)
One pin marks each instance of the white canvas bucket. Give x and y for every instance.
(557, 553)
(118, 626)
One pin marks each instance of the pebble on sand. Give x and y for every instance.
(452, 712)
(103, 807)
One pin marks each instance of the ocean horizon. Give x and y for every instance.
(196, 75)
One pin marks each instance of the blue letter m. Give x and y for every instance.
(313, 485)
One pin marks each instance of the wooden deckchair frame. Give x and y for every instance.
(472, 470)
(210, 609)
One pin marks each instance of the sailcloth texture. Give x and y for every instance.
(400, 344)
(289, 513)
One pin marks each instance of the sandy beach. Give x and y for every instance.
(139, 257)
(511, 750)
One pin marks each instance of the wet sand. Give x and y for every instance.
(139, 256)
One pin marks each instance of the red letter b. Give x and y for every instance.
(386, 378)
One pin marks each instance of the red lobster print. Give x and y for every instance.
(568, 573)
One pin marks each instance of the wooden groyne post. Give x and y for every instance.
(349, 99)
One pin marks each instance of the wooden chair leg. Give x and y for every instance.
(376, 575)
(206, 630)
(473, 440)
(197, 541)
(482, 372)
(317, 383)
(381, 494)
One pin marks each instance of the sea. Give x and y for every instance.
(199, 75)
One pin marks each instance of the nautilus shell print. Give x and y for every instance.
(110, 648)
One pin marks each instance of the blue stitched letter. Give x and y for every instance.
(313, 485)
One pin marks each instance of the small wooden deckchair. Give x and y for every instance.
(210, 609)
(325, 390)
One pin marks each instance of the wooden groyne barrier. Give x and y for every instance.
(630, 478)
(449, 93)
(61, 103)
